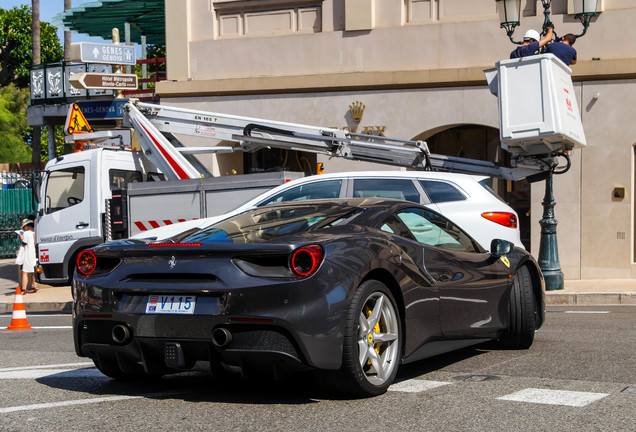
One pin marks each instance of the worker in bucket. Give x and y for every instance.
(563, 50)
(532, 42)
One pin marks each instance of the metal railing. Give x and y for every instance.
(147, 92)
(50, 82)
(16, 203)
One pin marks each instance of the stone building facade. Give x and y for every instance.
(417, 68)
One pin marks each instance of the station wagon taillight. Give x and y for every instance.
(502, 218)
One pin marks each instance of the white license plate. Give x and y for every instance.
(171, 304)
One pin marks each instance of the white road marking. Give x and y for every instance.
(416, 386)
(38, 315)
(53, 366)
(52, 327)
(44, 327)
(554, 397)
(86, 401)
(52, 373)
(66, 370)
(66, 403)
(587, 312)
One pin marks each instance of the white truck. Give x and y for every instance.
(103, 194)
(97, 195)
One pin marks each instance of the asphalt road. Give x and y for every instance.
(580, 375)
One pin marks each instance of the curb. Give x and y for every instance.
(39, 307)
(590, 299)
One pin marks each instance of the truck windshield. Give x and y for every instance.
(64, 188)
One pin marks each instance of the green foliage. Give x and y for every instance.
(156, 51)
(14, 130)
(59, 142)
(16, 47)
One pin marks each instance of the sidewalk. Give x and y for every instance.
(588, 292)
(47, 299)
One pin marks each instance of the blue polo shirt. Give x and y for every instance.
(525, 50)
(563, 52)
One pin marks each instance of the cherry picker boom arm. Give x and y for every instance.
(252, 134)
(161, 152)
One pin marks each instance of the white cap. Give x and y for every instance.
(532, 34)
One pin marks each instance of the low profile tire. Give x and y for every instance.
(523, 309)
(372, 341)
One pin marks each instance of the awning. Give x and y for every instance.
(146, 17)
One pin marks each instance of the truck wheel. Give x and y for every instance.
(521, 326)
(372, 341)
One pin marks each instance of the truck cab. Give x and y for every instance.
(71, 208)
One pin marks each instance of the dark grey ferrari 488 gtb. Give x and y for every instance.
(352, 288)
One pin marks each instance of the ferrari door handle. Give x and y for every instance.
(81, 225)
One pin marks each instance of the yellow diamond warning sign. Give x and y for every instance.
(76, 122)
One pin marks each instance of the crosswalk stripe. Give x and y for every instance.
(416, 386)
(554, 397)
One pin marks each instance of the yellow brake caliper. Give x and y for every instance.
(376, 329)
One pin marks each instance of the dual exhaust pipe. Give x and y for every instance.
(221, 337)
(121, 334)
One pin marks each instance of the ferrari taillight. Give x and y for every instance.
(502, 218)
(306, 260)
(86, 262)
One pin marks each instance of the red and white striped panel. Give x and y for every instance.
(148, 225)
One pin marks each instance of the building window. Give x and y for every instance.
(419, 11)
(423, 11)
(268, 18)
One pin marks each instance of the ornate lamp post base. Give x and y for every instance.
(548, 247)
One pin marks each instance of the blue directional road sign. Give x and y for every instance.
(103, 109)
(90, 52)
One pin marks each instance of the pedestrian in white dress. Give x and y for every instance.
(29, 261)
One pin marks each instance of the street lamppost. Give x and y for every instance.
(510, 17)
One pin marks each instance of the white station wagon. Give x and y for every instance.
(464, 199)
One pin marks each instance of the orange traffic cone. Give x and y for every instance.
(18, 319)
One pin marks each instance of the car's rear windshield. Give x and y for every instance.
(271, 222)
